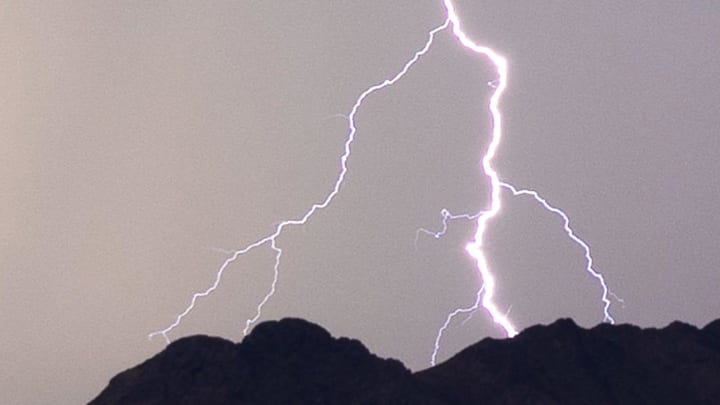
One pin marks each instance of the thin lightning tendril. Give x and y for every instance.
(571, 234)
(272, 238)
(446, 216)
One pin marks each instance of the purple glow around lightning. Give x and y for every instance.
(272, 238)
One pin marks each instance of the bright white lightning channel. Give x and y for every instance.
(485, 294)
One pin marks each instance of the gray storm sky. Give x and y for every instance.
(140, 139)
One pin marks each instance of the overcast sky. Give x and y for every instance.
(142, 139)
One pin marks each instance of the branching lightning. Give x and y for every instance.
(485, 293)
(571, 234)
(272, 238)
(484, 297)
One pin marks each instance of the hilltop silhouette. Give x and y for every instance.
(295, 361)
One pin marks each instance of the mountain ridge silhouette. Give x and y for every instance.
(295, 361)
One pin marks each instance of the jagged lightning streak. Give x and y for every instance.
(485, 293)
(272, 238)
(571, 234)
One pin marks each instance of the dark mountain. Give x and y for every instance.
(294, 361)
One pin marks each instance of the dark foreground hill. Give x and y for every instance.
(293, 361)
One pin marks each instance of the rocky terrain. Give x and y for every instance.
(293, 361)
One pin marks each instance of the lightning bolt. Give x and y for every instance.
(272, 238)
(486, 291)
